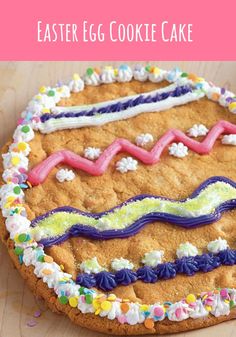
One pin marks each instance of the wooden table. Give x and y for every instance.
(19, 81)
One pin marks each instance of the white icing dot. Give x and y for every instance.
(118, 264)
(126, 164)
(91, 266)
(153, 258)
(65, 175)
(217, 245)
(186, 249)
(143, 139)
(229, 140)
(198, 130)
(92, 153)
(178, 150)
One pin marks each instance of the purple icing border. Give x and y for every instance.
(116, 107)
(186, 222)
(206, 262)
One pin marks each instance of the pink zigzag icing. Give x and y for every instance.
(40, 172)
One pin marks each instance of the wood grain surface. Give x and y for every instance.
(19, 81)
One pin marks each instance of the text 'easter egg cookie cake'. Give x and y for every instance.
(118, 199)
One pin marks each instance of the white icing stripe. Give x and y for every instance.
(63, 123)
(79, 108)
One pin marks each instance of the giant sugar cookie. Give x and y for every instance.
(118, 200)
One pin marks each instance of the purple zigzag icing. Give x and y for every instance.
(181, 221)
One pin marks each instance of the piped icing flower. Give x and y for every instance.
(125, 277)
(143, 139)
(124, 73)
(121, 263)
(105, 280)
(86, 280)
(23, 133)
(227, 257)
(213, 93)
(17, 224)
(65, 175)
(178, 150)
(107, 75)
(76, 84)
(92, 77)
(147, 274)
(126, 164)
(198, 130)
(186, 249)
(166, 270)
(229, 140)
(92, 152)
(15, 159)
(207, 262)
(217, 245)
(21, 147)
(173, 75)
(187, 265)
(178, 311)
(155, 74)
(153, 258)
(140, 73)
(91, 266)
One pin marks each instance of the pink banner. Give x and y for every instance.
(118, 30)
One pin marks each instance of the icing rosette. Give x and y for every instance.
(166, 270)
(147, 274)
(107, 75)
(92, 77)
(76, 84)
(124, 73)
(86, 280)
(125, 277)
(140, 73)
(187, 265)
(105, 280)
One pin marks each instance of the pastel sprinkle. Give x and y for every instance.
(51, 93)
(42, 90)
(88, 298)
(31, 323)
(106, 305)
(37, 313)
(22, 146)
(25, 129)
(111, 297)
(48, 259)
(124, 307)
(47, 271)
(22, 237)
(15, 161)
(149, 323)
(73, 301)
(17, 190)
(178, 312)
(63, 299)
(158, 311)
(191, 298)
(18, 250)
(89, 71)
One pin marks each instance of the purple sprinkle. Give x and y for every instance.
(37, 314)
(222, 91)
(31, 323)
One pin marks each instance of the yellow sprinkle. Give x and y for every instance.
(208, 307)
(22, 146)
(111, 297)
(232, 105)
(97, 312)
(38, 97)
(11, 199)
(100, 296)
(144, 307)
(76, 77)
(156, 71)
(45, 110)
(62, 267)
(42, 90)
(15, 161)
(73, 301)
(226, 301)
(96, 304)
(191, 298)
(116, 72)
(106, 305)
(125, 300)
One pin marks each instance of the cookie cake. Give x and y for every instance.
(118, 198)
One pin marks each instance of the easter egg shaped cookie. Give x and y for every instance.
(118, 200)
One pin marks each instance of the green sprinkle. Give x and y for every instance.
(147, 68)
(89, 71)
(22, 237)
(63, 299)
(18, 250)
(40, 258)
(184, 75)
(88, 298)
(25, 129)
(51, 93)
(81, 290)
(17, 189)
(231, 304)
